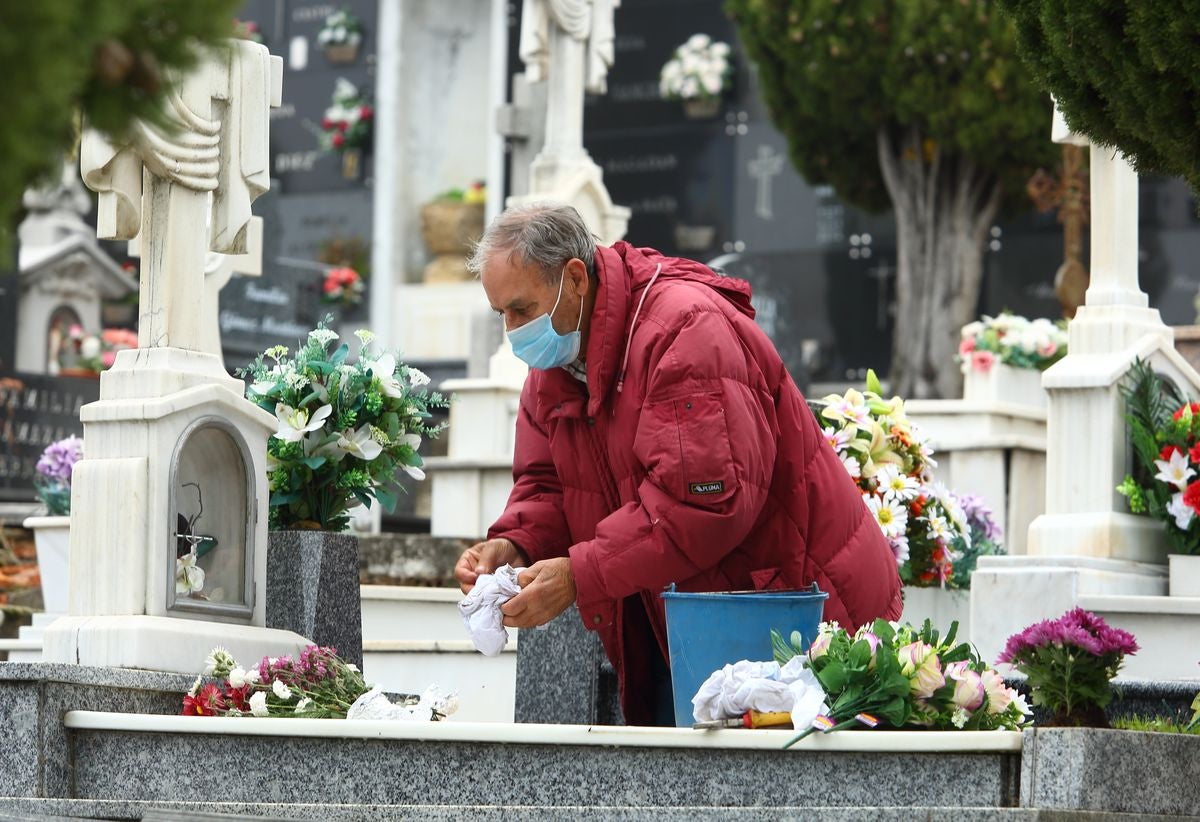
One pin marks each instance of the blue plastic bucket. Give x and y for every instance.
(706, 632)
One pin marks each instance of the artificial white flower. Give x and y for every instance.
(852, 466)
(258, 703)
(195, 686)
(324, 336)
(252, 676)
(360, 443)
(896, 485)
(294, 423)
(350, 666)
(417, 377)
(295, 380)
(364, 336)
(189, 577)
(413, 471)
(302, 705)
(837, 439)
(282, 691)
(237, 678)
(218, 658)
(384, 369)
(1175, 471)
(890, 514)
(1182, 512)
(938, 528)
(959, 717)
(90, 347)
(900, 548)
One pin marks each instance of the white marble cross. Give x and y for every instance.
(1114, 222)
(763, 168)
(167, 185)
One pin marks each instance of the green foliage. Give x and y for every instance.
(1160, 420)
(112, 59)
(1155, 724)
(1124, 73)
(838, 72)
(346, 430)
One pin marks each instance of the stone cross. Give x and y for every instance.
(766, 165)
(165, 183)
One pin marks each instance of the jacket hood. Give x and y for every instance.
(624, 272)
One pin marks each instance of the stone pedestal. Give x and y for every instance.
(312, 589)
(1010, 593)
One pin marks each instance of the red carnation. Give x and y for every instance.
(238, 698)
(342, 125)
(918, 505)
(1167, 452)
(365, 112)
(1193, 407)
(327, 124)
(1194, 453)
(338, 140)
(1191, 496)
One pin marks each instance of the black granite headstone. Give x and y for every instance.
(9, 299)
(36, 410)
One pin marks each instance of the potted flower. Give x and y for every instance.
(1164, 430)
(342, 286)
(697, 74)
(346, 432)
(247, 30)
(450, 225)
(1070, 663)
(52, 532)
(1003, 357)
(87, 355)
(346, 126)
(339, 36)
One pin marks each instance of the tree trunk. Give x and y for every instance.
(944, 206)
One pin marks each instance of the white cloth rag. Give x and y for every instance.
(481, 609)
(761, 686)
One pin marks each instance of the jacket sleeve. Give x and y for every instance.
(533, 518)
(705, 441)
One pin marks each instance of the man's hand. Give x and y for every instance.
(484, 558)
(547, 589)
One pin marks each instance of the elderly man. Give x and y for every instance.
(660, 439)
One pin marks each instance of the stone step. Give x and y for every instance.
(486, 686)
(411, 612)
(1166, 628)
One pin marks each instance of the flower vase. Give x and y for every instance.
(1004, 384)
(313, 589)
(51, 537)
(941, 606)
(352, 163)
(702, 108)
(341, 53)
(1183, 575)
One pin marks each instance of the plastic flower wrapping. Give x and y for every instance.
(317, 685)
(347, 120)
(699, 69)
(1069, 663)
(1011, 339)
(346, 430)
(1164, 430)
(885, 455)
(54, 469)
(899, 676)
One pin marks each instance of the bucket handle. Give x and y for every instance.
(810, 589)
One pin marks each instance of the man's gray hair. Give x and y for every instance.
(544, 235)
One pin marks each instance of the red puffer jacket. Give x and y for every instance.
(691, 458)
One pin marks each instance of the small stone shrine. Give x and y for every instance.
(169, 507)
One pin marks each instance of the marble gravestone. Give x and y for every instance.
(169, 507)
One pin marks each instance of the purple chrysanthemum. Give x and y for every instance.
(1079, 628)
(979, 515)
(58, 460)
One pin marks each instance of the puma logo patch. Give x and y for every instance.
(706, 487)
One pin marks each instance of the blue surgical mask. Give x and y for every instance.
(540, 346)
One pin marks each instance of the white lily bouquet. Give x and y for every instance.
(346, 430)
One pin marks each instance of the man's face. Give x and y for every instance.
(518, 293)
